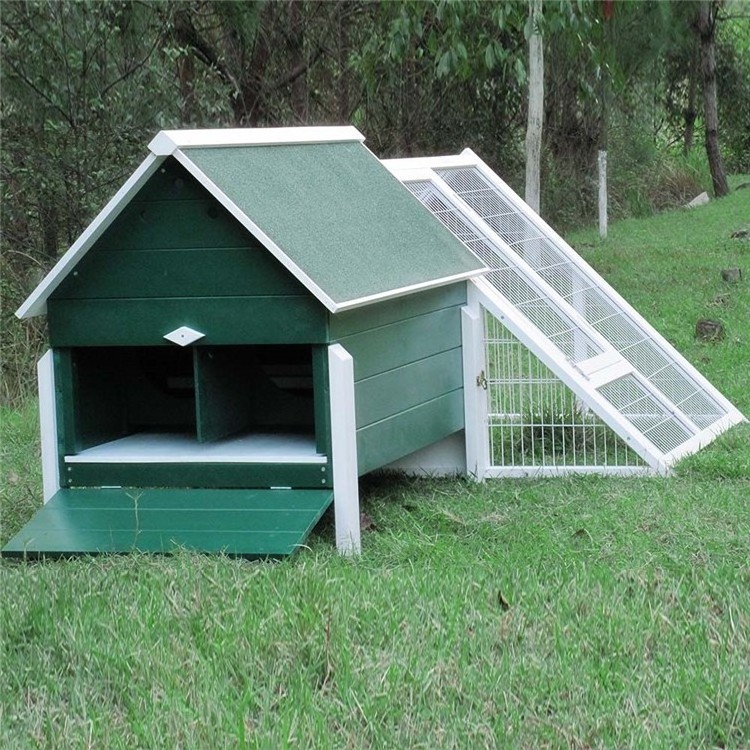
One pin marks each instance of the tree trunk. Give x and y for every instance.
(343, 48)
(690, 114)
(186, 75)
(536, 106)
(706, 28)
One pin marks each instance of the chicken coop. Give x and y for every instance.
(260, 316)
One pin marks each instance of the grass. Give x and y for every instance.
(576, 613)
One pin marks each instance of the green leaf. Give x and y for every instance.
(444, 65)
(489, 56)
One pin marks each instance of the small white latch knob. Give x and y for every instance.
(184, 335)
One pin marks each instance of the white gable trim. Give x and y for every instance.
(168, 141)
(36, 304)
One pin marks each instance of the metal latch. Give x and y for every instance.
(482, 380)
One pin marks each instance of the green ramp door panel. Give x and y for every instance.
(253, 523)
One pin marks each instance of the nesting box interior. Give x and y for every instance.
(240, 401)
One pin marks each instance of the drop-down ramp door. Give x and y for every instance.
(252, 523)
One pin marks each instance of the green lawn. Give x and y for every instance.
(575, 613)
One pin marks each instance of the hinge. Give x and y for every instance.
(482, 380)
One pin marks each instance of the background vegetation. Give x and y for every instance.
(86, 85)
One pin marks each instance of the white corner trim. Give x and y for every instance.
(476, 407)
(48, 425)
(344, 450)
(162, 144)
(36, 303)
(167, 142)
(257, 232)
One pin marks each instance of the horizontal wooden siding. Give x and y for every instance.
(175, 257)
(407, 372)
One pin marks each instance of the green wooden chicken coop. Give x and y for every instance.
(260, 316)
(255, 319)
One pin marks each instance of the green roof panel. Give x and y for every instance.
(338, 215)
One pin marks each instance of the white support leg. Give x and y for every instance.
(344, 448)
(475, 391)
(48, 425)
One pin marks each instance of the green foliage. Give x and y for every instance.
(733, 71)
(86, 84)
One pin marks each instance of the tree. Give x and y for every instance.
(705, 27)
(536, 105)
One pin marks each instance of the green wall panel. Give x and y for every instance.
(394, 391)
(397, 344)
(173, 224)
(226, 320)
(212, 272)
(223, 391)
(322, 396)
(407, 361)
(197, 475)
(171, 182)
(393, 438)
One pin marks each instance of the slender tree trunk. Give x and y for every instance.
(536, 106)
(706, 28)
(690, 114)
(186, 75)
(343, 49)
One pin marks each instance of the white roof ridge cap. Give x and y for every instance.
(166, 142)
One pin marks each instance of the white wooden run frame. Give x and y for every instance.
(571, 379)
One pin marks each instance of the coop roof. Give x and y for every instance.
(317, 199)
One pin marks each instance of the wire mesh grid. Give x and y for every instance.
(583, 292)
(534, 420)
(528, 299)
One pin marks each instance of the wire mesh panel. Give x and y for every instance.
(585, 291)
(535, 421)
(576, 378)
(528, 298)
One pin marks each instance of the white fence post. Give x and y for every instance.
(602, 162)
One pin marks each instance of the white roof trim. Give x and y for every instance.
(467, 158)
(412, 289)
(36, 303)
(167, 142)
(252, 227)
